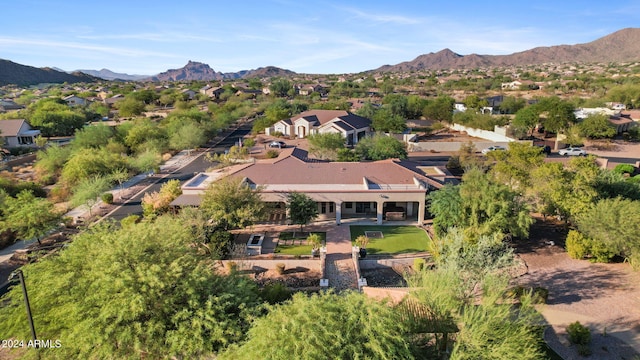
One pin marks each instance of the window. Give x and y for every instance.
(25, 140)
(331, 210)
(348, 205)
(323, 208)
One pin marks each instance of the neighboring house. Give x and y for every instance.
(17, 133)
(309, 89)
(459, 107)
(513, 85)
(622, 123)
(188, 94)
(73, 100)
(385, 190)
(583, 113)
(252, 92)
(8, 105)
(351, 126)
(114, 99)
(212, 92)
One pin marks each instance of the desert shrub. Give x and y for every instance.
(454, 162)
(231, 266)
(418, 264)
(580, 247)
(220, 243)
(275, 293)
(624, 169)
(634, 180)
(539, 295)
(579, 334)
(577, 245)
(280, 268)
(272, 154)
(130, 220)
(107, 198)
(277, 134)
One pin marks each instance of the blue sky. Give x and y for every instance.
(148, 37)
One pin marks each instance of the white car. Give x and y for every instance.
(493, 148)
(572, 151)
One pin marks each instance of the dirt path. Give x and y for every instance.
(605, 297)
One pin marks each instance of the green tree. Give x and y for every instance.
(280, 87)
(148, 160)
(85, 163)
(129, 106)
(511, 105)
(440, 108)
(326, 146)
(526, 119)
(302, 209)
(380, 147)
(557, 114)
(156, 203)
(145, 293)
(385, 120)
(29, 216)
(513, 167)
(188, 136)
(93, 136)
(597, 126)
(484, 207)
(466, 295)
(88, 191)
(308, 327)
(615, 223)
(231, 204)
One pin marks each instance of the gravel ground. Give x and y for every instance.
(604, 297)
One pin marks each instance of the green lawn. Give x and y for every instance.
(290, 245)
(396, 240)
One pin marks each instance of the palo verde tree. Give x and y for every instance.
(308, 327)
(232, 204)
(302, 209)
(29, 216)
(480, 206)
(467, 295)
(145, 293)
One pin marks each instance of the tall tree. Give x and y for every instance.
(88, 191)
(302, 209)
(232, 204)
(346, 326)
(326, 146)
(29, 216)
(380, 147)
(145, 293)
(484, 206)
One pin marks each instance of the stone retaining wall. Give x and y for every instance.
(270, 264)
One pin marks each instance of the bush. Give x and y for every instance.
(624, 169)
(418, 264)
(280, 268)
(454, 162)
(580, 247)
(584, 350)
(107, 198)
(130, 220)
(275, 293)
(579, 334)
(231, 266)
(272, 154)
(576, 245)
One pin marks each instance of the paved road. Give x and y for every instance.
(200, 164)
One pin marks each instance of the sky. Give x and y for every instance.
(306, 36)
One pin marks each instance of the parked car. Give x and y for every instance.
(493, 148)
(278, 144)
(546, 149)
(572, 151)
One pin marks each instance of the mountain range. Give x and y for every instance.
(620, 46)
(199, 71)
(23, 75)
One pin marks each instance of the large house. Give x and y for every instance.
(17, 133)
(386, 190)
(351, 126)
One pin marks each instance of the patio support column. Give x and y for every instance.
(409, 208)
(421, 211)
(380, 204)
(338, 212)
